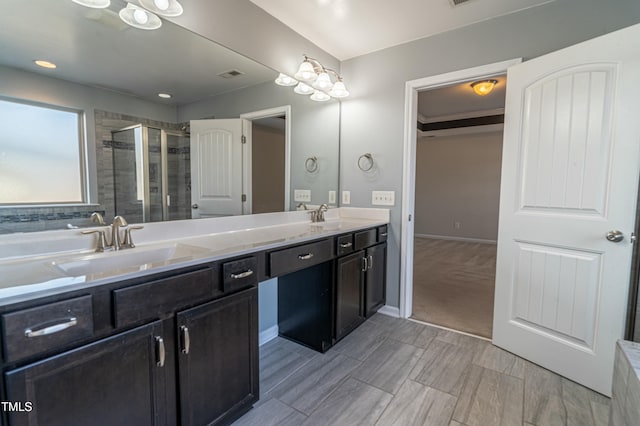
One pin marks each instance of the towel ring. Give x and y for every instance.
(369, 159)
(311, 164)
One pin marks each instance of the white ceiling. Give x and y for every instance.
(350, 28)
(94, 47)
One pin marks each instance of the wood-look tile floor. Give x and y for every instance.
(392, 371)
(453, 284)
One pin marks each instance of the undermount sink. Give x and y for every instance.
(328, 226)
(139, 258)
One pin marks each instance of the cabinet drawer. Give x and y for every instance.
(239, 274)
(365, 238)
(156, 298)
(344, 244)
(382, 233)
(293, 259)
(46, 327)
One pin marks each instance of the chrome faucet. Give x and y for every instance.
(303, 205)
(318, 215)
(118, 221)
(96, 217)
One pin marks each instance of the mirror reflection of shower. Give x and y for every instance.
(151, 174)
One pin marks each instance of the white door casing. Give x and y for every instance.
(216, 167)
(569, 175)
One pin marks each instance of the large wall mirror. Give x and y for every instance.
(134, 156)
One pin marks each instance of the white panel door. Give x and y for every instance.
(569, 175)
(216, 167)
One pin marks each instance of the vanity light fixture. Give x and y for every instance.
(285, 80)
(45, 64)
(303, 89)
(164, 95)
(483, 87)
(140, 18)
(312, 78)
(169, 8)
(94, 4)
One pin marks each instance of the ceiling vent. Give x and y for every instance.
(230, 74)
(455, 3)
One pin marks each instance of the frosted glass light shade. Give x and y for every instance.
(94, 4)
(139, 18)
(483, 87)
(163, 7)
(306, 72)
(323, 82)
(319, 96)
(285, 80)
(303, 89)
(339, 90)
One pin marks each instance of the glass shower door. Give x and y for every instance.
(128, 173)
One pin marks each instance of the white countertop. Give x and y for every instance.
(30, 263)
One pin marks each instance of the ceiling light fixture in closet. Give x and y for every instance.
(483, 87)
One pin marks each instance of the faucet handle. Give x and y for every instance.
(102, 239)
(314, 215)
(128, 242)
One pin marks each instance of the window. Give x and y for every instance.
(40, 155)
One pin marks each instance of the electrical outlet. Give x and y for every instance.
(302, 195)
(332, 197)
(346, 197)
(383, 198)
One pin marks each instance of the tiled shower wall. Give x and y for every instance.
(29, 219)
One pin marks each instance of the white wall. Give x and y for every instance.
(458, 181)
(373, 116)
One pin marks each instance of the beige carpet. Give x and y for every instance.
(453, 284)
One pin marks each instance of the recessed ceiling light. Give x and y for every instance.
(45, 64)
(164, 95)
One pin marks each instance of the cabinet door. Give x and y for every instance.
(218, 359)
(349, 313)
(376, 277)
(115, 381)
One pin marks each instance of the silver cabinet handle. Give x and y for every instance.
(186, 340)
(364, 264)
(244, 274)
(51, 329)
(346, 245)
(305, 256)
(615, 236)
(160, 352)
(194, 206)
(370, 262)
(384, 234)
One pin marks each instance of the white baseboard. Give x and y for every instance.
(391, 311)
(446, 237)
(268, 335)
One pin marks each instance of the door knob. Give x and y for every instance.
(194, 206)
(615, 236)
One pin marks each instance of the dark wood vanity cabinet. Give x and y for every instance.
(191, 360)
(360, 278)
(119, 380)
(218, 359)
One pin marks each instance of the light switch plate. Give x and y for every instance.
(302, 195)
(346, 197)
(332, 197)
(383, 198)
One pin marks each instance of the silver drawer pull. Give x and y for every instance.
(305, 256)
(370, 262)
(244, 274)
(51, 329)
(160, 352)
(384, 234)
(186, 340)
(345, 245)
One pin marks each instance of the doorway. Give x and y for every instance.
(268, 160)
(457, 193)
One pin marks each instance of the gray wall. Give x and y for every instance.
(458, 181)
(245, 28)
(373, 116)
(315, 130)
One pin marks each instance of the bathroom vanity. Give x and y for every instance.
(176, 341)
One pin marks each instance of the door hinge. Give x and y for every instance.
(244, 139)
(244, 198)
